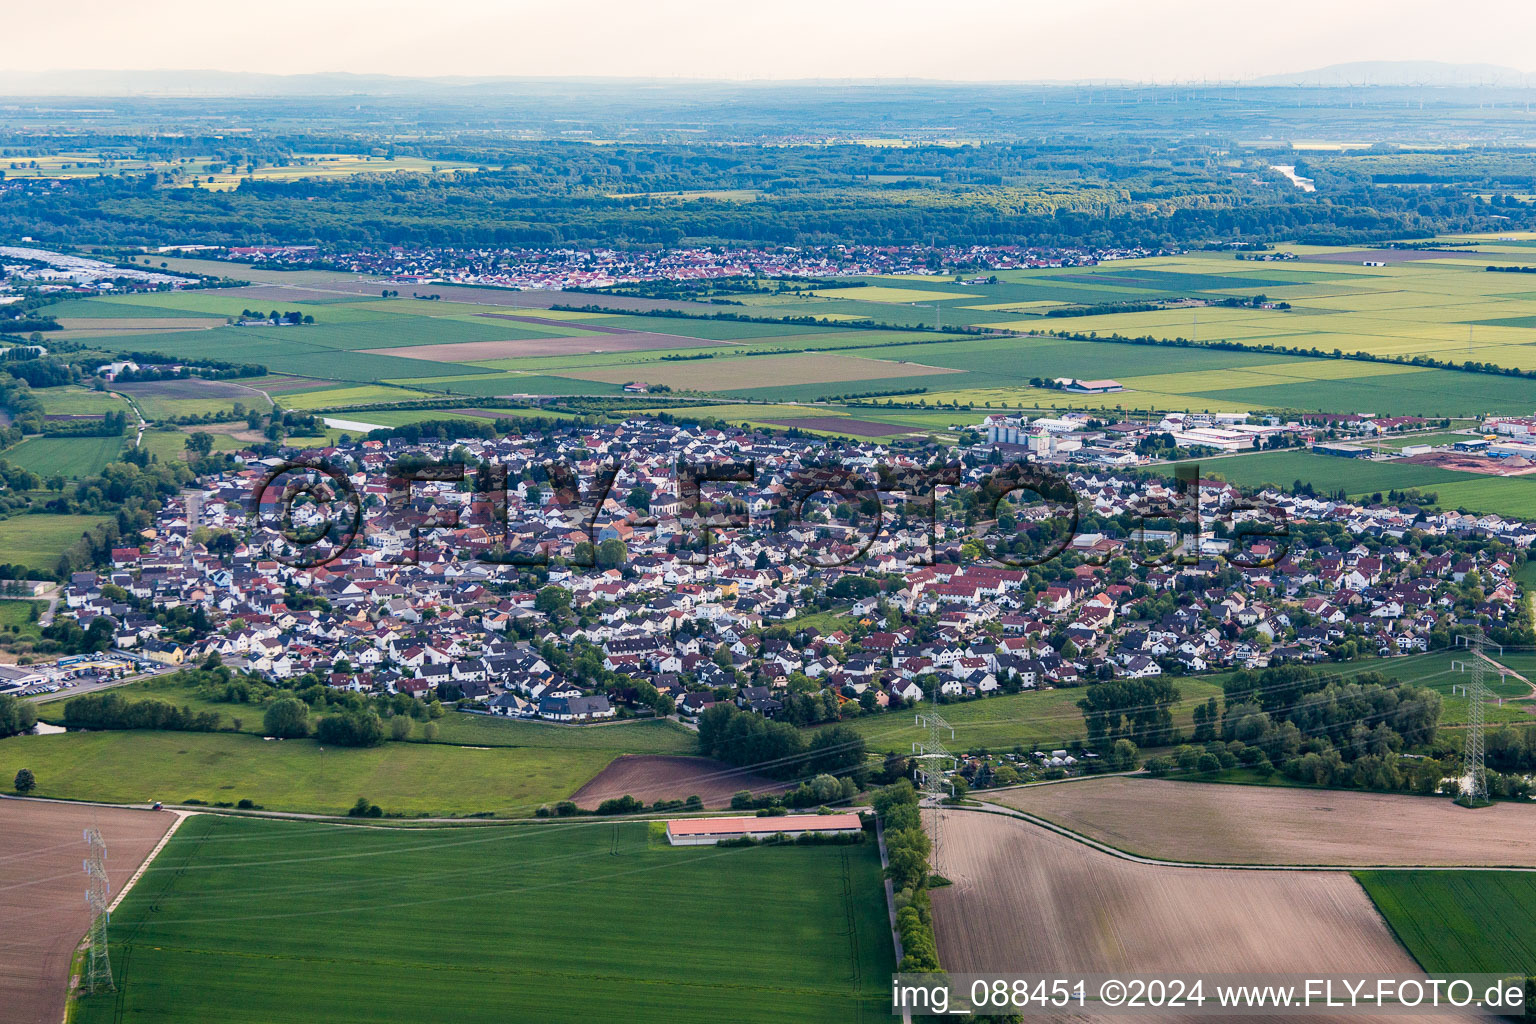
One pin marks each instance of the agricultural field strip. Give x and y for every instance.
(556, 864)
(1114, 851)
(1160, 816)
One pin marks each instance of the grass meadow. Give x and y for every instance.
(66, 456)
(1507, 496)
(435, 779)
(36, 541)
(243, 920)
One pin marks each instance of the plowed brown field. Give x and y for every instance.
(1252, 825)
(652, 777)
(1025, 900)
(43, 915)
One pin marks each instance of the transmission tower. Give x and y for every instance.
(98, 973)
(1475, 783)
(932, 758)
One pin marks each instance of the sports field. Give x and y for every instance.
(259, 921)
(1460, 920)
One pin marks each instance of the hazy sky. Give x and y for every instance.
(958, 39)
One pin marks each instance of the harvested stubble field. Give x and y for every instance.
(41, 848)
(652, 777)
(1025, 900)
(1227, 824)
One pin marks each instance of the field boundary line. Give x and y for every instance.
(181, 816)
(1136, 858)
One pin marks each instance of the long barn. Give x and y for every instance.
(708, 831)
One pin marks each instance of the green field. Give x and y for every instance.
(1440, 309)
(1508, 496)
(645, 736)
(261, 921)
(299, 775)
(68, 456)
(37, 541)
(1046, 719)
(1034, 720)
(22, 616)
(1468, 921)
(72, 401)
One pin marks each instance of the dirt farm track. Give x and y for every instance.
(1026, 900)
(652, 777)
(43, 915)
(1195, 821)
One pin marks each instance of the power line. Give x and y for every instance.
(98, 972)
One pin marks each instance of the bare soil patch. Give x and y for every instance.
(1225, 824)
(515, 348)
(42, 902)
(1467, 463)
(843, 425)
(652, 777)
(1025, 900)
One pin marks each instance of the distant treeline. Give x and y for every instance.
(1106, 192)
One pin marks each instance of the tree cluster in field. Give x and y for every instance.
(1137, 710)
(907, 848)
(16, 715)
(98, 711)
(205, 369)
(1317, 728)
(23, 407)
(777, 749)
(111, 424)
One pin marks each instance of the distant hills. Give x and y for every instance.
(1402, 72)
(210, 83)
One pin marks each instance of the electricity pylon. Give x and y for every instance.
(98, 972)
(1475, 772)
(932, 758)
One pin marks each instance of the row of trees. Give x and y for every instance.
(112, 711)
(777, 748)
(908, 847)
